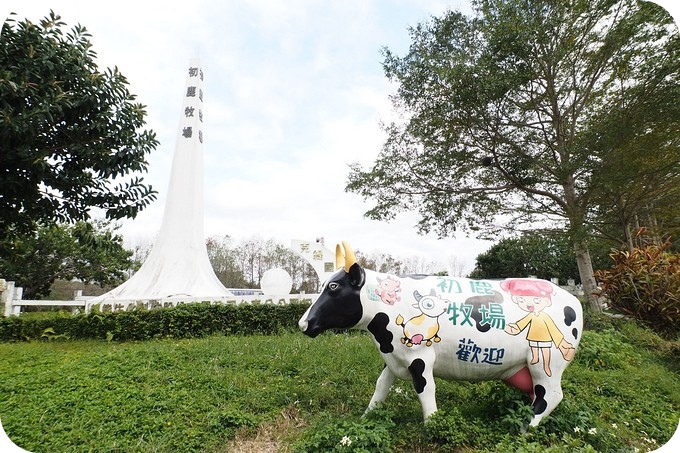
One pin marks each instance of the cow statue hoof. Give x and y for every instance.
(454, 328)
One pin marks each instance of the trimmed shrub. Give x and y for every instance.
(183, 321)
(645, 284)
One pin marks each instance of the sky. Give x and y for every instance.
(294, 91)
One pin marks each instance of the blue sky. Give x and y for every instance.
(294, 91)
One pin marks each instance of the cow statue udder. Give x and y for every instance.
(522, 331)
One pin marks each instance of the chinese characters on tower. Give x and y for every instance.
(194, 110)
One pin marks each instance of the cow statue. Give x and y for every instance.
(522, 331)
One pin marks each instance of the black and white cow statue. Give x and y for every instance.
(522, 331)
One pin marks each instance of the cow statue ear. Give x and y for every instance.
(357, 276)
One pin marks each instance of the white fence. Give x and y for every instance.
(150, 304)
(11, 299)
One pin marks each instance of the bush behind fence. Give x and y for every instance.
(183, 321)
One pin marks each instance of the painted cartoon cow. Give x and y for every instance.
(424, 326)
(389, 290)
(456, 328)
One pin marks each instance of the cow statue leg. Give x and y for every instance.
(547, 392)
(382, 388)
(423, 383)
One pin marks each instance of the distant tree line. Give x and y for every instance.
(242, 264)
(95, 253)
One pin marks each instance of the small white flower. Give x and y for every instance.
(398, 390)
(577, 429)
(592, 431)
(614, 426)
(346, 441)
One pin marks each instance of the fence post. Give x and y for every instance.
(8, 297)
(3, 288)
(18, 295)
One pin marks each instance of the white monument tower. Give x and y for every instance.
(178, 268)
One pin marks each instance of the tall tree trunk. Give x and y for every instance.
(579, 234)
(585, 270)
(629, 237)
(653, 225)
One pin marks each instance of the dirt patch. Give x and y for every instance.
(268, 437)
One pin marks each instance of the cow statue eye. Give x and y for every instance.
(333, 286)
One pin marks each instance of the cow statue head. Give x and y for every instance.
(339, 304)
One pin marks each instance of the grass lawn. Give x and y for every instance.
(292, 393)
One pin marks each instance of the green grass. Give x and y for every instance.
(292, 393)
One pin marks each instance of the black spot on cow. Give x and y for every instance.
(477, 302)
(417, 368)
(569, 315)
(477, 316)
(540, 404)
(378, 327)
(574, 332)
(495, 298)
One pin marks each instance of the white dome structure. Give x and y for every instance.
(276, 282)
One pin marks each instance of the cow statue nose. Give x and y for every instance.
(303, 324)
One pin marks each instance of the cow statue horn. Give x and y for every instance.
(339, 257)
(350, 258)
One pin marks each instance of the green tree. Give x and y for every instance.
(639, 183)
(70, 135)
(499, 111)
(92, 253)
(542, 255)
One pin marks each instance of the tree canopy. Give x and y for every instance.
(542, 255)
(509, 118)
(91, 253)
(71, 137)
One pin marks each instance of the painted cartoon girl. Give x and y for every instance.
(533, 296)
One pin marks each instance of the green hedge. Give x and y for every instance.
(184, 321)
